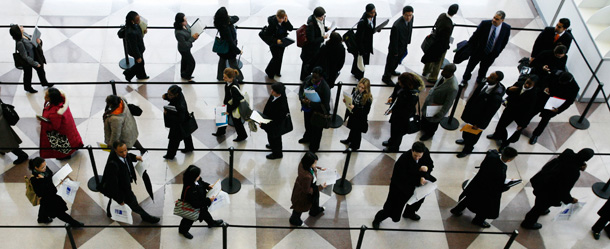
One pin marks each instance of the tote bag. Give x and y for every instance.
(186, 210)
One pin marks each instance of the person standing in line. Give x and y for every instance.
(316, 34)
(442, 94)
(231, 99)
(10, 139)
(32, 56)
(400, 38)
(119, 123)
(135, 46)
(193, 192)
(306, 192)
(550, 37)
(225, 25)
(364, 38)
(277, 29)
(331, 58)
(313, 133)
(412, 169)
(549, 63)
(403, 102)
(358, 116)
(602, 222)
(483, 193)
(182, 31)
(277, 110)
(434, 57)
(487, 42)
(176, 121)
(57, 127)
(553, 183)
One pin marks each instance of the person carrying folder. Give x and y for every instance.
(309, 106)
(182, 31)
(276, 31)
(403, 101)
(441, 96)
(177, 114)
(358, 112)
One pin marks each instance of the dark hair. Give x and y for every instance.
(408, 81)
(318, 70)
(533, 78)
(55, 97)
(453, 9)
(118, 143)
(130, 17)
(308, 159)
(418, 147)
(500, 75)
(509, 153)
(319, 11)
(406, 9)
(190, 174)
(35, 163)
(221, 18)
(178, 20)
(112, 102)
(175, 89)
(565, 22)
(565, 77)
(501, 14)
(335, 38)
(560, 49)
(369, 7)
(15, 32)
(278, 87)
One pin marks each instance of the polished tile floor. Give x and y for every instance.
(91, 55)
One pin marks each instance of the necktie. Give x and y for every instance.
(490, 41)
(556, 38)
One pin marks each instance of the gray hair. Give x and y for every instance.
(501, 14)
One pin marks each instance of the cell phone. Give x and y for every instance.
(43, 118)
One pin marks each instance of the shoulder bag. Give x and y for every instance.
(30, 194)
(429, 40)
(19, 61)
(191, 123)
(186, 210)
(9, 113)
(220, 46)
(135, 110)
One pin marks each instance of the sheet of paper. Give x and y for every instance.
(222, 200)
(348, 100)
(221, 117)
(143, 24)
(61, 174)
(569, 210)
(332, 28)
(468, 128)
(512, 182)
(511, 129)
(215, 190)
(328, 176)
(143, 165)
(553, 102)
(431, 110)
(36, 36)
(197, 27)
(256, 116)
(170, 108)
(312, 95)
(121, 213)
(103, 145)
(422, 191)
(382, 25)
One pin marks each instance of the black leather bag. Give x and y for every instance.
(428, 41)
(414, 123)
(349, 38)
(134, 109)
(285, 125)
(263, 35)
(191, 124)
(9, 113)
(321, 120)
(19, 61)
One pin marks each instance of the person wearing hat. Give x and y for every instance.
(277, 110)
(553, 183)
(364, 39)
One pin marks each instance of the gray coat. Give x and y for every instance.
(8, 137)
(26, 48)
(185, 40)
(121, 126)
(441, 95)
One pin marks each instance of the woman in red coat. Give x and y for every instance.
(306, 193)
(57, 127)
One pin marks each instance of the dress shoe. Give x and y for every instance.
(462, 154)
(460, 141)
(548, 211)
(186, 151)
(303, 141)
(127, 78)
(492, 136)
(390, 150)
(31, 90)
(297, 223)
(376, 224)
(48, 85)
(412, 216)
(455, 212)
(186, 235)
(45, 221)
(144, 78)
(388, 81)
(321, 210)
(272, 156)
(239, 139)
(534, 226)
(268, 146)
(533, 139)
(425, 137)
(344, 141)
(216, 223)
(218, 134)
(482, 224)
(385, 143)
(151, 219)
(596, 236)
(395, 73)
(168, 157)
(21, 159)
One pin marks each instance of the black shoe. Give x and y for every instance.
(533, 139)
(168, 157)
(385, 143)
(216, 223)
(218, 134)
(186, 78)
(412, 216)
(45, 221)
(425, 137)
(21, 159)
(460, 141)
(376, 224)
(482, 224)
(395, 73)
(303, 141)
(48, 85)
(272, 156)
(127, 78)
(318, 213)
(492, 136)
(390, 150)
(296, 224)
(462, 154)
(345, 141)
(268, 146)
(388, 81)
(186, 151)
(455, 212)
(144, 78)
(239, 139)
(31, 90)
(534, 226)
(151, 219)
(546, 212)
(186, 235)
(353, 149)
(596, 236)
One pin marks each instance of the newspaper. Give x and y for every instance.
(61, 174)
(328, 176)
(197, 27)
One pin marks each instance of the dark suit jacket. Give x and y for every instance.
(364, 34)
(547, 57)
(444, 29)
(135, 41)
(484, 192)
(185, 39)
(400, 36)
(358, 118)
(545, 40)
(276, 31)
(229, 34)
(481, 107)
(479, 38)
(314, 40)
(331, 58)
(177, 120)
(405, 102)
(276, 111)
(46, 190)
(557, 178)
(323, 91)
(568, 92)
(116, 183)
(521, 106)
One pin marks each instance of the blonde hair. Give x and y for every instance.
(366, 96)
(231, 73)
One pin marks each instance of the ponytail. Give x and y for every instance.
(231, 73)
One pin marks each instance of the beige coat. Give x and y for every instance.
(121, 127)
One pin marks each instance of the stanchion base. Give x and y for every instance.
(464, 184)
(598, 190)
(338, 121)
(123, 63)
(92, 185)
(450, 124)
(346, 189)
(581, 126)
(232, 189)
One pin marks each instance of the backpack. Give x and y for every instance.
(302, 36)
(121, 32)
(9, 113)
(29, 192)
(263, 35)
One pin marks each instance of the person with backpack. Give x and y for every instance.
(31, 55)
(10, 139)
(278, 29)
(311, 40)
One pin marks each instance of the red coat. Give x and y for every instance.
(61, 120)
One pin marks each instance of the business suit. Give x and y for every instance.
(51, 204)
(400, 38)
(480, 54)
(331, 58)
(546, 41)
(404, 102)
(433, 58)
(185, 43)
(364, 40)
(233, 95)
(555, 65)
(276, 32)
(135, 48)
(228, 33)
(480, 109)
(313, 133)
(569, 91)
(443, 93)
(177, 123)
(315, 38)
(520, 106)
(277, 110)
(33, 56)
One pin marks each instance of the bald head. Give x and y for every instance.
(448, 70)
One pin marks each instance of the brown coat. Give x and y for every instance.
(302, 193)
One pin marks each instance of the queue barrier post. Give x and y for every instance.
(336, 121)
(113, 85)
(361, 236)
(230, 184)
(94, 181)
(580, 122)
(126, 62)
(224, 235)
(343, 186)
(70, 236)
(513, 236)
(451, 123)
(601, 189)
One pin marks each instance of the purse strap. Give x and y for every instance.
(184, 194)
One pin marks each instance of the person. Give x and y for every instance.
(32, 55)
(118, 176)
(550, 37)
(10, 139)
(483, 193)
(331, 58)
(553, 183)
(225, 25)
(480, 109)
(411, 170)
(360, 107)
(433, 58)
(316, 34)
(487, 42)
(564, 88)
(400, 38)
(119, 123)
(403, 101)
(364, 38)
(602, 222)
(182, 31)
(134, 35)
(194, 192)
(57, 127)
(520, 105)
(277, 110)
(442, 94)
(306, 192)
(176, 121)
(277, 29)
(313, 132)
(549, 63)
(232, 98)
(51, 204)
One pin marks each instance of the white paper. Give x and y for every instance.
(222, 200)
(103, 145)
(361, 63)
(143, 24)
(61, 174)
(511, 129)
(422, 191)
(36, 36)
(553, 102)
(121, 213)
(143, 165)
(256, 116)
(221, 117)
(67, 190)
(328, 176)
(197, 27)
(348, 100)
(569, 210)
(333, 26)
(215, 190)
(431, 110)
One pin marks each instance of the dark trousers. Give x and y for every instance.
(462, 205)
(307, 124)
(19, 152)
(172, 146)
(396, 134)
(484, 64)
(239, 128)
(391, 63)
(305, 70)
(601, 224)
(315, 209)
(540, 206)
(186, 224)
(139, 146)
(315, 138)
(222, 64)
(27, 76)
(409, 210)
(275, 64)
(469, 141)
(354, 138)
(355, 70)
(132, 202)
(187, 64)
(429, 128)
(546, 116)
(137, 70)
(44, 215)
(275, 141)
(500, 132)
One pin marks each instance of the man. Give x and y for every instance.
(442, 94)
(135, 46)
(487, 42)
(483, 193)
(277, 110)
(553, 183)
(313, 133)
(364, 38)
(315, 37)
(400, 38)
(412, 169)
(278, 29)
(480, 108)
(520, 106)
(118, 176)
(550, 37)
(434, 57)
(564, 88)
(549, 62)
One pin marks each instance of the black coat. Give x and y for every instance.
(405, 102)
(557, 178)
(44, 188)
(521, 106)
(443, 30)
(481, 107)
(135, 41)
(568, 92)
(314, 40)
(276, 111)
(548, 58)
(545, 40)
(177, 120)
(484, 191)
(30, 54)
(195, 195)
(478, 40)
(364, 34)
(228, 33)
(231, 93)
(358, 118)
(400, 36)
(275, 31)
(116, 183)
(323, 91)
(331, 58)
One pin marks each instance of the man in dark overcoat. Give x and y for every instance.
(400, 38)
(277, 110)
(550, 37)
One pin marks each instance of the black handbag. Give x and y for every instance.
(428, 41)
(349, 38)
(19, 61)
(9, 113)
(321, 120)
(134, 109)
(263, 35)
(191, 124)
(285, 125)
(414, 123)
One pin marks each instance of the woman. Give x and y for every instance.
(402, 103)
(232, 98)
(360, 108)
(193, 192)
(51, 204)
(176, 119)
(315, 37)
(32, 56)
(57, 127)
(278, 29)
(119, 123)
(364, 38)
(225, 26)
(306, 193)
(10, 139)
(331, 58)
(134, 37)
(185, 42)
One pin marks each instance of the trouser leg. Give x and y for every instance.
(469, 141)
(140, 70)
(206, 216)
(275, 142)
(67, 219)
(354, 138)
(185, 225)
(188, 143)
(222, 64)
(484, 66)
(429, 128)
(42, 75)
(544, 121)
(390, 65)
(27, 77)
(461, 205)
(307, 124)
(505, 120)
(381, 216)
(234, 65)
(411, 209)
(315, 203)
(435, 68)
(239, 127)
(172, 147)
(395, 136)
(600, 224)
(295, 218)
(139, 146)
(532, 216)
(316, 137)
(472, 62)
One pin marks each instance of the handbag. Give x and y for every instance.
(243, 110)
(186, 210)
(9, 113)
(414, 124)
(285, 125)
(135, 110)
(191, 123)
(220, 46)
(29, 192)
(19, 61)
(349, 38)
(321, 120)
(59, 142)
(429, 40)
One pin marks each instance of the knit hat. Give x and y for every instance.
(370, 7)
